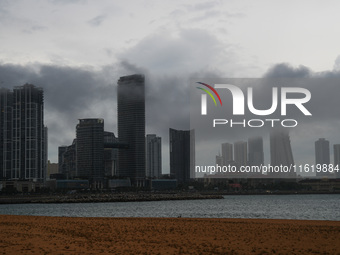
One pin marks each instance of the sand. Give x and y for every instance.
(63, 235)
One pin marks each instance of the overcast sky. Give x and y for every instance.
(77, 49)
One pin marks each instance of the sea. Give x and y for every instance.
(301, 207)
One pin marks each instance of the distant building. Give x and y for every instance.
(227, 153)
(110, 154)
(322, 154)
(153, 156)
(67, 160)
(337, 159)
(240, 153)
(61, 152)
(219, 160)
(23, 136)
(131, 127)
(182, 154)
(95, 145)
(255, 151)
(281, 153)
(52, 168)
(89, 150)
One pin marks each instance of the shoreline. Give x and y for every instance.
(105, 198)
(134, 197)
(45, 234)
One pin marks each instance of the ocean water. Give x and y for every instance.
(304, 207)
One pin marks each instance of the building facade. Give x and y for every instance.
(89, 149)
(153, 156)
(94, 157)
(23, 134)
(131, 127)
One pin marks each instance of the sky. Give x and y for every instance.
(76, 50)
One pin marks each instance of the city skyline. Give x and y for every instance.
(166, 42)
(280, 153)
(319, 155)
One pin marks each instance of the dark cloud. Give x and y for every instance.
(83, 92)
(285, 70)
(129, 68)
(70, 93)
(97, 21)
(78, 92)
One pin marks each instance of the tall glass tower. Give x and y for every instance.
(29, 145)
(6, 102)
(131, 127)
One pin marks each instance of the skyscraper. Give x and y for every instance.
(322, 154)
(131, 127)
(227, 153)
(240, 153)
(281, 153)
(90, 149)
(153, 156)
(6, 103)
(29, 134)
(337, 159)
(182, 154)
(255, 151)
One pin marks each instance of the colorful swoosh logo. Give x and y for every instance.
(209, 93)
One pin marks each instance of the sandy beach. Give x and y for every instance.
(63, 235)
